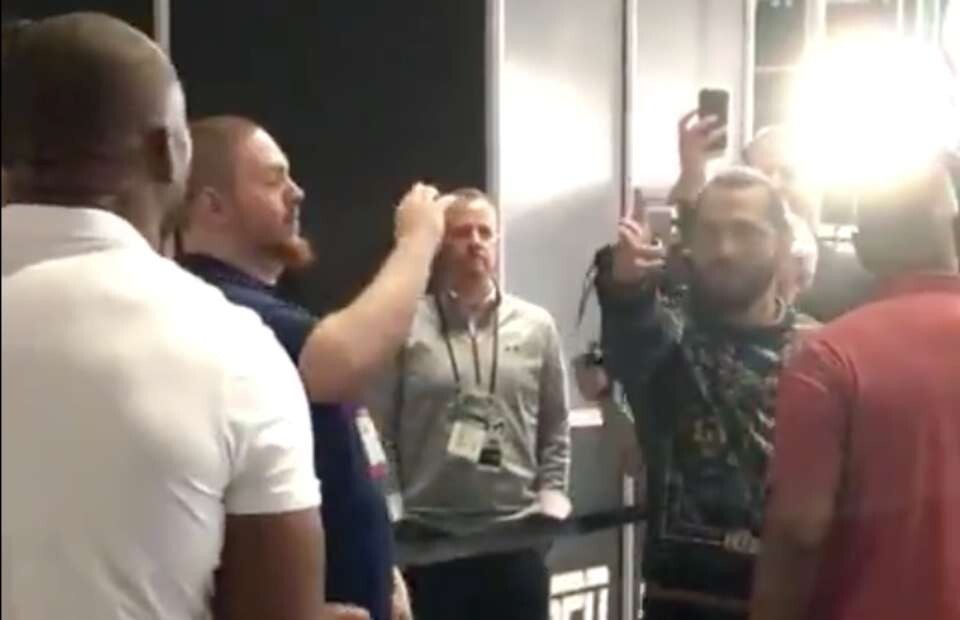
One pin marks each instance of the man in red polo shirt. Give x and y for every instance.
(864, 516)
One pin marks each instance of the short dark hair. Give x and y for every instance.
(215, 142)
(742, 177)
(463, 196)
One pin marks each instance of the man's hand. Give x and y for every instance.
(400, 603)
(635, 257)
(695, 139)
(339, 611)
(421, 214)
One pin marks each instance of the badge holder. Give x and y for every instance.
(472, 436)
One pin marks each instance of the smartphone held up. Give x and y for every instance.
(715, 103)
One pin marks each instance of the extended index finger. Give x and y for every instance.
(686, 118)
(632, 227)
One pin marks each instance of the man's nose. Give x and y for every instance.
(296, 193)
(726, 246)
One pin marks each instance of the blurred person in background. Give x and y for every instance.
(824, 280)
(156, 453)
(474, 416)
(864, 517)
(700, 374)
(240, 233)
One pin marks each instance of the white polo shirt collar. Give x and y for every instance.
(43, 231)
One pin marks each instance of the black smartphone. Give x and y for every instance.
(660, 220)
(715, 102)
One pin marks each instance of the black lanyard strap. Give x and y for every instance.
(495, 357)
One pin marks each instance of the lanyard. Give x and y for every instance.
(445, 330)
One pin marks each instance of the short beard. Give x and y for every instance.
(725, 303)
(294, 254)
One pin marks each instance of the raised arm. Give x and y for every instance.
(348, 348)
(694, 137)
(636, 332)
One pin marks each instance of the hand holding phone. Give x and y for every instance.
(637, 257)
(715, 103)
(659, 220)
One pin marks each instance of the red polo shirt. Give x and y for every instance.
(869, 413)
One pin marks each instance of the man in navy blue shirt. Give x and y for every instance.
(241, 231)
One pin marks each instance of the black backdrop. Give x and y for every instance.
(137, 12)
(365, 97)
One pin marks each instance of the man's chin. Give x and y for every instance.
(294, 253)
(726, 300)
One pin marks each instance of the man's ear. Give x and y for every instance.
(207, 205)
(785, 240)
(159, 156)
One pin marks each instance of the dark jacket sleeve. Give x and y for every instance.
(637, 333)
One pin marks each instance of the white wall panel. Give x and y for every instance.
(559, 136)
(680, 47)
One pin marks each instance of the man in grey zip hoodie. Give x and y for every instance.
(474, 419)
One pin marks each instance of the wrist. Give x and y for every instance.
(627, 290)
(693, 176)
(418, 241)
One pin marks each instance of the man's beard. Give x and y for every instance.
(751, 284)
(294, 253)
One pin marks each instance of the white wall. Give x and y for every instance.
(681, 46)
(557, 161)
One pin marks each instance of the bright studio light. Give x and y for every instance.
(871, 109)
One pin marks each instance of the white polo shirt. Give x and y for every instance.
(139, 408)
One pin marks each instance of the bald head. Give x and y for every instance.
(768, 148)
(92, 108)
(909, 226)
(82, 87)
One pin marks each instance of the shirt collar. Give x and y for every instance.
(81, 228)
(492, 296)
(453, 311)
(216, 270)
(918, 283)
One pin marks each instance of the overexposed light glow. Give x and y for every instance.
(869, 109)
(950, 34)
(554, 138)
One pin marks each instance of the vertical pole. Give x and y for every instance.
(161, 24)
(749, 68)
(628, 43)
(494, 58)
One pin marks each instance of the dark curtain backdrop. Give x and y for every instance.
(137, 12)
(365, 97)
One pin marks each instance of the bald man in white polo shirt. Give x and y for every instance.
(157, 455)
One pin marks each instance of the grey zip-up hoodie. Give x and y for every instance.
(411, 407)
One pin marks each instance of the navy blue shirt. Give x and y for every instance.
(358, 531)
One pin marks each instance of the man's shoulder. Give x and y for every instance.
(529, 311)
(208, 302)
(202, 312)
